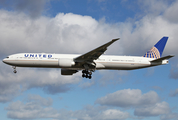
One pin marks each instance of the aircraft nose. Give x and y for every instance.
(4, 60)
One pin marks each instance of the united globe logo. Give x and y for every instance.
(153, 53)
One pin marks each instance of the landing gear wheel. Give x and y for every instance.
(86, 74)
(15, 71)
(83, 71)
(90, 73)
(83, 75)
(90, 77)
(14, 67)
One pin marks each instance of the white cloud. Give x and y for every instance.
(21, 33)
(46, 34)
(145, 105)
(170, 13)
(12, 84)
(174, 93)
(113, 114)
(37, 99)
(153, 7)
(153, 110)
(37, 107)
(80, 32)
(129, 98)
(34, 8)
(32, 109)
(87, 84)
(170, 116)
(100, 113)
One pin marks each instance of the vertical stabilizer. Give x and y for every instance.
(157, 50)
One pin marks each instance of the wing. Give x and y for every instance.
(94, 54)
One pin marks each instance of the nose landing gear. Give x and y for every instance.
(14, 67)
(87, 74)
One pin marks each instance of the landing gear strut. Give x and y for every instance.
(87, 74)
(14, 67)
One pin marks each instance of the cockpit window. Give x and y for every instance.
(7, 57)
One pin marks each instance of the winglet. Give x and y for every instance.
(115, 39)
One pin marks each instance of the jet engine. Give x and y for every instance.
(68, 72)
(66, 62)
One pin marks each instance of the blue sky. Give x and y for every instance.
(79, 26)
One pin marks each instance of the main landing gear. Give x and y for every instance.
(87, 74)
(14, 67)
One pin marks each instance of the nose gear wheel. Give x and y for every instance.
(14, 67)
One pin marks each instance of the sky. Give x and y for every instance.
(68, 26)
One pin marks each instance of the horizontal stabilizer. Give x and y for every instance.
(162, 58)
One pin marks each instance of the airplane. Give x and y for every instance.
(90, 61)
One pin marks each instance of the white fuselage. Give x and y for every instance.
(66, 61)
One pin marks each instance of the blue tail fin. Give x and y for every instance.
(157, 50)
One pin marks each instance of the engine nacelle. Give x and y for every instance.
(68, 72)
(66, 62)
